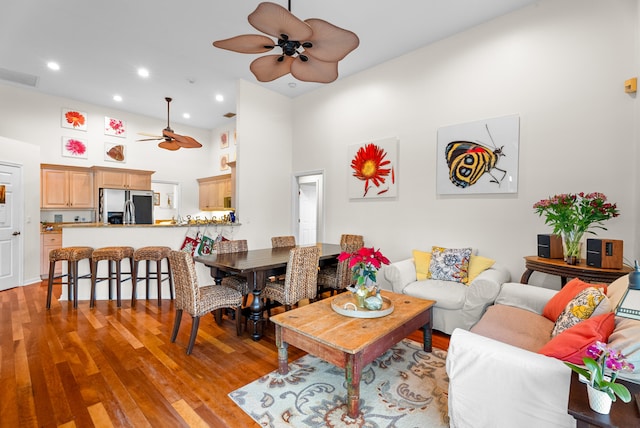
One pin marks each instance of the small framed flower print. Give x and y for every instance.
(224, 162)
(224, 140)
(74, 119)
(115, 127)
(74, 148)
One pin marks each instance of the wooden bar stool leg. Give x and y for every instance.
(110, 273)
(147, 265)
(52, 269)
(159, 280)
(94, 274)
(74, 267)
(69, 281)
(134, 283)
(118, 279)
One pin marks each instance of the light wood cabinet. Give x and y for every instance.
(48, 242)
(213, 191)
(65, 187)
(118, 178)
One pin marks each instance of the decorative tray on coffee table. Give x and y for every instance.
(345, 304)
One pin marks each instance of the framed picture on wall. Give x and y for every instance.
(74, 147)
(74, 119)
(478, 157)
(156, 198)
(115, 127)
(373, 167)
(224, 162)
(115, 152)
(224, 140)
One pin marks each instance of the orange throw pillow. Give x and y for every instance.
(571, 345)
(561, 299)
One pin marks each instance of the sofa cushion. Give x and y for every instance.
(589, 302)
(626, 339)
(447, 294)
(422, 261)
(526, 330)
(559, 301)
(449, 264)
(571, 345)
(477, 265)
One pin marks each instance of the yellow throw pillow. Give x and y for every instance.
(477, 265)
(422, 261)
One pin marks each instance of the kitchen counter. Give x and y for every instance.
(102, 225)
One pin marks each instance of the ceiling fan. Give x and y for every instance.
(171, 140)
(311, 48)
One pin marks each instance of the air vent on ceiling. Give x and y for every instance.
(18, 77)
(229, 115)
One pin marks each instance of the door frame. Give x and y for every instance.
(295, 206)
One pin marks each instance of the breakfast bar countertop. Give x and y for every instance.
(74, 225)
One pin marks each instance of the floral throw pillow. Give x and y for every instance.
(449, 264)
(589, 302)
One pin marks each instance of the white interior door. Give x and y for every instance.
(309, 211)
(10, 225)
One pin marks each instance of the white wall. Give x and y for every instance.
(560, 65)
(27, 155)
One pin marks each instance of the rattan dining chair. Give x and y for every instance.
(337, 277)
(300, 280)
(351, 239)
(283, 241)
(198, 301)
(237, 282)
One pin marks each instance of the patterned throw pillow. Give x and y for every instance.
(449, 264)
(589, 302)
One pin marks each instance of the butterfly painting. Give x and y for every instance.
(479, 157)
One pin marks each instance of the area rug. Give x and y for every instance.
(404, 387)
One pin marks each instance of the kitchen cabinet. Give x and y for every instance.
(49, 241)
(119, 178)
(215, 193)
(66, 187)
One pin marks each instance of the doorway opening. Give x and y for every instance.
(308, 206)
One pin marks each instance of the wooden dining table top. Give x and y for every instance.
(262, 259)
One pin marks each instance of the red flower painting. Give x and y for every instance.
(75, 147)
(75, 118)
(369, 166)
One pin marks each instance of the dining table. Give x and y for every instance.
(257, 266)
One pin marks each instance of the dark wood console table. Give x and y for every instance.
(563, 270)
(622, 414)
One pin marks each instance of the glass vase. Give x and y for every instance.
(572, 246)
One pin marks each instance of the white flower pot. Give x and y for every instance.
(599, 401)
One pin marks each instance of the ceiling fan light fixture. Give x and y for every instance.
(317, 38)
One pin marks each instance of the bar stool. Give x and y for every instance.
(72, 255)
(149, 254)
(112, 255)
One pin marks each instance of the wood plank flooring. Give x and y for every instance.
(115, 367)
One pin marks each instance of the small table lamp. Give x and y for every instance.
(629, 306)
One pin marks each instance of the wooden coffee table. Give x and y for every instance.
(350, 343)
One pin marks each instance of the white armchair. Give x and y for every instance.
(457, 305)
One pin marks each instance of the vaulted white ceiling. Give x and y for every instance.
(100, 45)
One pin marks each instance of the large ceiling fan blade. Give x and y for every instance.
(268, 68)
(247, 43)
(273, 19)
(330, 43)
(151, 139)
(146, 134)
(169, 145)
(182, 140)
(314, 70)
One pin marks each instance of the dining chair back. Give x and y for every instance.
(338, 277)
(351, 239)
(300, 280)
(237, 282)
(196, 300)
(234, 246)
(283, 241)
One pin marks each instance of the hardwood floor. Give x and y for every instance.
(116, 367)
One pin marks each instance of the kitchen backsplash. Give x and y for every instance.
(53, 216)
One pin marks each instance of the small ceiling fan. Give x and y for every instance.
(169, 139)
(311, 48)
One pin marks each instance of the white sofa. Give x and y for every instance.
(495, 384)
(457, 305)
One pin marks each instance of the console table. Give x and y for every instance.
(563, 270)
(622, 414)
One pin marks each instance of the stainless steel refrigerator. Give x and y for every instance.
(112, 209)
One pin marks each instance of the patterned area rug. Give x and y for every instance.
(404, 387)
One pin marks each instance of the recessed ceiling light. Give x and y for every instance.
(219, 98)
(53, 65)
(186, 115)
(117, 98)
(143, 72)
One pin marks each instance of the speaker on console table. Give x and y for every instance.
(604, 253)
(550, 246)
